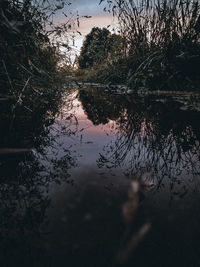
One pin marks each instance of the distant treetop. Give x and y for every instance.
(98, 46)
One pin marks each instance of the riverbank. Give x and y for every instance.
(189, 99)
(108, 78)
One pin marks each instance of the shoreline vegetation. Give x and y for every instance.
(33, 68)
(157, 47)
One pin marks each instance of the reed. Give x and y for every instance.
(162, 41)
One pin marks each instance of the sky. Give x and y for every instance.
(99, 18)
(87, 6)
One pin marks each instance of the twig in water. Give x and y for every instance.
(10, 82)
(20, 95)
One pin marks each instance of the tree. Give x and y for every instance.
(99, 45)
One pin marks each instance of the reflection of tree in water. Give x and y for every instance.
(99, 106)
(27, 174)
(155, 137)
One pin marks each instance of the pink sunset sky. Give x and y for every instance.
(99, 18)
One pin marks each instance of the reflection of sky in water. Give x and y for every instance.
(89, 140)
(95, 191)
(141, 154)
(84, 210)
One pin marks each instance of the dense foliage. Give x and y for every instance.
(99, 46)
(163, 40)
(29, 56)
(101, 51)
(161, 44)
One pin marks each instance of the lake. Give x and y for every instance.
(105, 179)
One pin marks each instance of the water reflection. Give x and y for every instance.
(155, 143)
(155, 136)
(32, 158)
(64, 194)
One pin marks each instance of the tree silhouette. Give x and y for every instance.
(100, 45)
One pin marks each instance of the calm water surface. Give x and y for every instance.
(110, 180)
